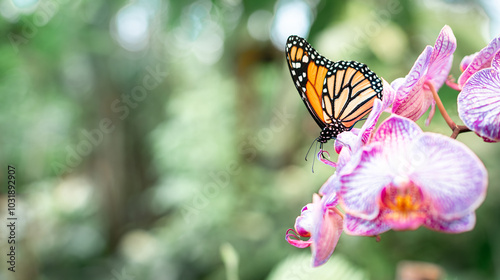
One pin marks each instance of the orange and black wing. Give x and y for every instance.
(308, 69)
(337, 94)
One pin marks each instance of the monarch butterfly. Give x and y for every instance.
(337, 94)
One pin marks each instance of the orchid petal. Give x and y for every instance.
(331, 186)
(410, 102)
(326, 236)
(462, 224)
(378, 107)
(495, 62)
(359, 226)
(397, 132)
(449, 174)
(481, 60)
(361, 184)
(372, 169)
(431, 114)
(466, 61)
(346, 139)
(294, 239)
(442, 57)
(397, 83)
(479, 103)
(323, 223)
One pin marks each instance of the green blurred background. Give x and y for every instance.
(162, 139)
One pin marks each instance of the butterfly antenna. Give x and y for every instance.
(308, 150)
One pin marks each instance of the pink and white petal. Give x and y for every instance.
(397, 132)
(331, 200)
(432, 111)
(304, 223)
(378, 107)
(481, 60)
(326, 236)
(358, 226)
(346, 139)
(389, 93)
(442, 57)
(362, 181)
(488, 140)
(465, 223)
(479, 103)
(495, 62)
(415, 104)
(294, 240)
(396, 84)
(331, 186)
(466, 61)
(450, 175)
(438, 74)
(412, 80)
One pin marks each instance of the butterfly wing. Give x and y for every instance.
(308, 76)
(337, 94)
(350, 88)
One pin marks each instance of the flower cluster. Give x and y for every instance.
(396, 176)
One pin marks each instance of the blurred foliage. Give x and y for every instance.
(178, 152)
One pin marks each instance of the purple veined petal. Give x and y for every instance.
(331, 186)
(432, 105)
(411, 102)
(389, 93)
(397, 83)
(438, 73)
(488, 140)
(415, 104)
(495, 63)
(481, 60)
(346, 139)
(369, 124)
(373, 168)
(331, 200)
(442, 57)
(416, 74)
(466, 61)
(326, 236)
(358, 226)
(326, 230)
(378, 107)
(465, 223)
(452, 178)
(362, 181)
(397, 132)
(479, 103)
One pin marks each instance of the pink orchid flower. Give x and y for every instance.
(475, 62)
(479, 102)
(322, 222)
(432, 67)
(405, 178)
(348, 142)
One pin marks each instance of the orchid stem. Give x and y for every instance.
(441, 108)
(457, 129)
